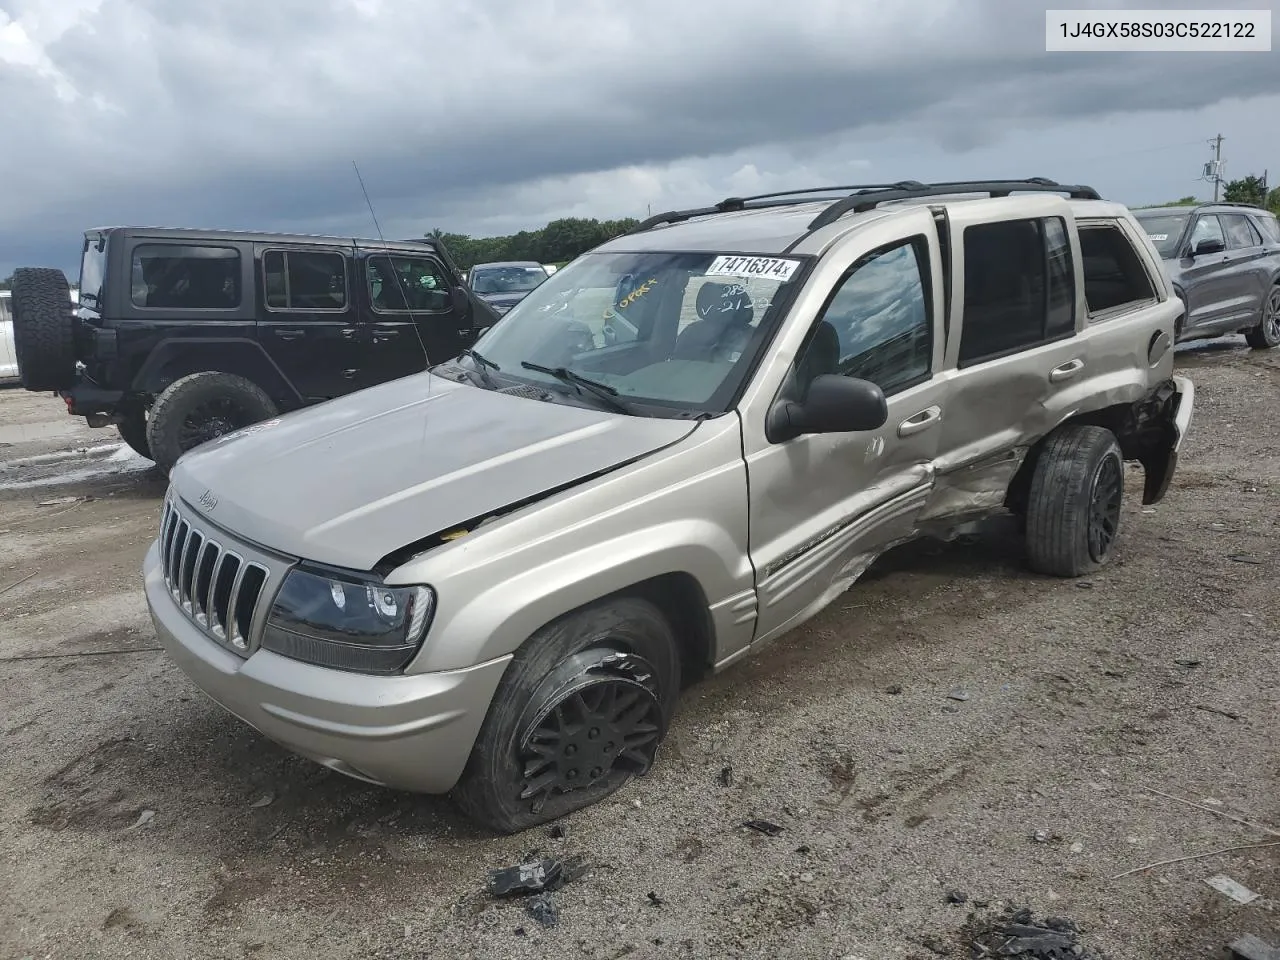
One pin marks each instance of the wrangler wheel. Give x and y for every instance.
(580, 711)
(202, 407)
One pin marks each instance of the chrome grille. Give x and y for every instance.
(213, 584)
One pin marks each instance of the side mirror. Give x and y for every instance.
(1208, 245)
(834, 404)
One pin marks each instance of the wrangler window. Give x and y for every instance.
(303, 280)
(1114, 276)
(1019, 288)
(185, 277)
(406, 285)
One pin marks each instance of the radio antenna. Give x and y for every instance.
(413, 321)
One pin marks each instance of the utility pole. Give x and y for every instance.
(1213, 169)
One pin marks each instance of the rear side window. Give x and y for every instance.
(1270, 228)
(1019, 288)
(1114, 275)
(186, 277)
(305, 280)
(1240, 232)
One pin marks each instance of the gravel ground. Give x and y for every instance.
(138, 820)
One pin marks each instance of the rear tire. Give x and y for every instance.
(536, 758)
(1266, 335)
(1073, 510)
(199, 408)
(133, 431)
(43, 328)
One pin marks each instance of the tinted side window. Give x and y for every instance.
(1113, 270)
(304, 280)
(1019, 287)
(878, 325)
(185, 277)
(1207, 228)
(1240, 232)
(1270, 227)
(407, 284)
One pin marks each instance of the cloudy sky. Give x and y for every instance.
(489, 116)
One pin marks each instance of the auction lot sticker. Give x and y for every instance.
(768, 268)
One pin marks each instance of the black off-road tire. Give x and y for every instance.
(1073, 510)
(178, 412)
(489, 789)
(44, 329)
(132, 427)
(1266, 335)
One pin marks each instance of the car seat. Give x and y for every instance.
(723, 327)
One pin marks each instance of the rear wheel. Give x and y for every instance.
(43, 328)
(1073, 511)
(581, 710)
(199, 408)
(1267, 333)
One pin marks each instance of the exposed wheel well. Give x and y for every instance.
(1142, 428)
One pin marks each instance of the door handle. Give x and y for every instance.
(920, 421)
(381, 335)
(350, 374)
(348, 334)
(1066, 370)
(290, 334)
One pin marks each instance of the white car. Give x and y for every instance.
(8, 353)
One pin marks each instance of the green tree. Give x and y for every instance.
(559, 241)
(1273, 201)
(1248, 189)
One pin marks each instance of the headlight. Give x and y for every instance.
(348, 622)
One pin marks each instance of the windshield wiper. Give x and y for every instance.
(483, 365)
(601, 391)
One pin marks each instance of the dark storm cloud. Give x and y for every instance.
(248, 114)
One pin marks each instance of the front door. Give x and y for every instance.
(413, 320)
(308, 322)
(1206, 279)
(823, 506)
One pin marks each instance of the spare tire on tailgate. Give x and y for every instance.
(43, 328)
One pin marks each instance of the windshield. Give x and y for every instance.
(507, 279)
(675, 330)
(1164, 230)
(92, 267)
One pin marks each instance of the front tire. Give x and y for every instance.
(1073, 511)
(43, 328)
(581, 709)
(1266, 335)
(202, 407)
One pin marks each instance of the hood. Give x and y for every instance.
(349, 481)
(507, 300)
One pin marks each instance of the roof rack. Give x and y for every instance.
(861, 198)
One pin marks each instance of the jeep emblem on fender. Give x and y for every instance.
(208, 500)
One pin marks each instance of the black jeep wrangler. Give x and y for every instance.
(181, 336)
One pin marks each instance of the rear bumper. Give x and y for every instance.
(88, 399)
(410, 732)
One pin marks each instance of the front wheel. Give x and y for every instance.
(581, 710)
(1073, 510)
(1266, 334)
(202, 407)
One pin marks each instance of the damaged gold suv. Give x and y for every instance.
(493, 578)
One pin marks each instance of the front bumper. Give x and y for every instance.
(409, 732)
(1162, 463)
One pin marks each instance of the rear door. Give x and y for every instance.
(1014, 355)
(1249, 275)
(308, 323)
(413, 318)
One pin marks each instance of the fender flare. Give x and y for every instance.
(178, 357)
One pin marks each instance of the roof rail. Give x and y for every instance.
(868, 200)
(1230, 203)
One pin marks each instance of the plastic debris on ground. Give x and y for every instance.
(1016, 934)
(763, 826)
(543, 910)
(1229, 888)
(1250, 947)
(535, 876)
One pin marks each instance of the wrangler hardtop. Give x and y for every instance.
(680, 446)
(182, 335)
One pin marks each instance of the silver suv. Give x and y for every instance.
(494, 578)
